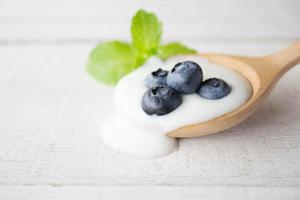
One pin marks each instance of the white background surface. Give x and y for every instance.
(51, 110)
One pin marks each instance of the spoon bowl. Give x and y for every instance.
(261, 72)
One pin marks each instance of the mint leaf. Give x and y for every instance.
(110, 61)
(173, 49)
(146, 31)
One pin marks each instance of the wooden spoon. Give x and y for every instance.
(262, 73)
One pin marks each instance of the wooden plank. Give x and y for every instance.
(81, 20)
(146, 193)
(51, 111)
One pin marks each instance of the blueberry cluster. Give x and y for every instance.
(166, 87)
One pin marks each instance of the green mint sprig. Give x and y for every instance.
(112, 60)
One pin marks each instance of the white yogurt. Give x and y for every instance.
(130, 130)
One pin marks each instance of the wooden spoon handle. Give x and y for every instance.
(286, 58)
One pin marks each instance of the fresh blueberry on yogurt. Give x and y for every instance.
(214, 88)
(160, 100)
(185, 77)
(156, 78)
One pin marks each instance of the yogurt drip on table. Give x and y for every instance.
(131, 131)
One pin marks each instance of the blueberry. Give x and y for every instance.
(214, 88)
(185, 77)
(156, 78)
(160, 100)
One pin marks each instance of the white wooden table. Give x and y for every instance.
(51, 110)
